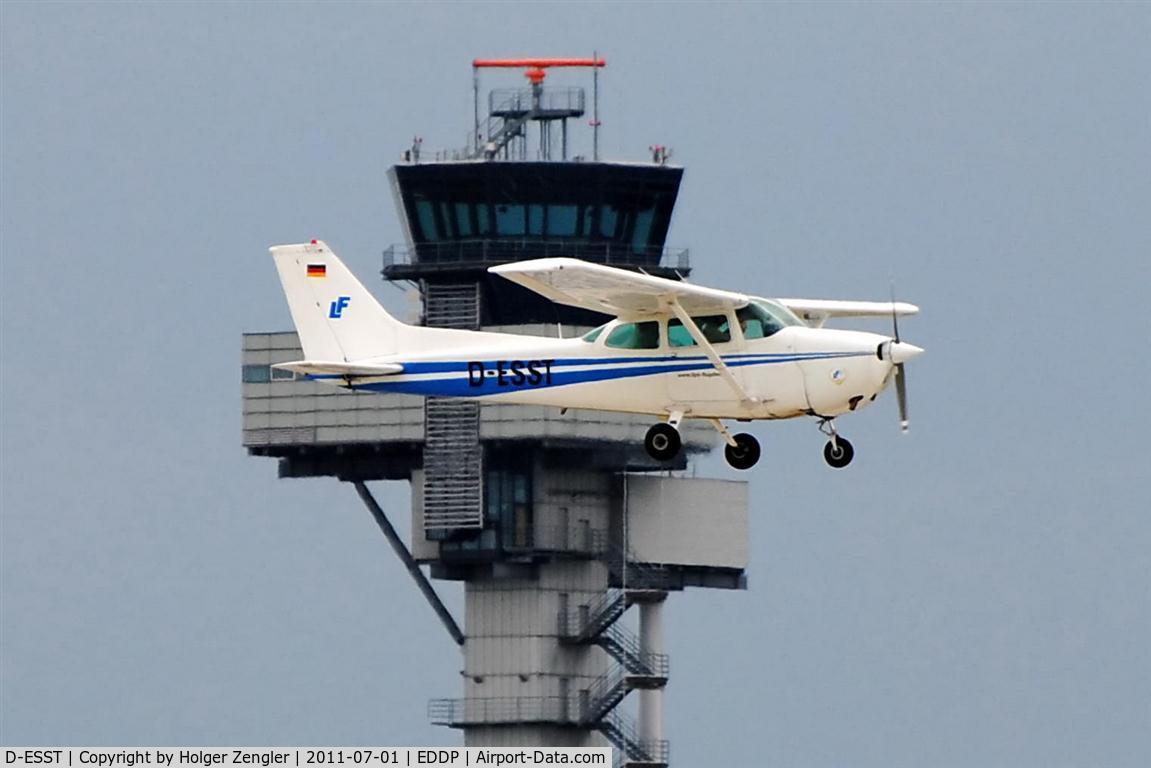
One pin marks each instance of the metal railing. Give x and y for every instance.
(507, 114)
(601, 698)
(567, 539)
(453, 253)
(622, 733)
(641, 670)
(509, 110)
(635, 575)
(501, 710)
(625, 648)
(551, 99)
(584, 623)
(618, 728)
(505, 131)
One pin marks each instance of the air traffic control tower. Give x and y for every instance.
(567, 537)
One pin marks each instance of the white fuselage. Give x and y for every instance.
(796, 371)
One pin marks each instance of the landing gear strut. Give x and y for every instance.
(838, 452)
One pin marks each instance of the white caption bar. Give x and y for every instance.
(205, 757)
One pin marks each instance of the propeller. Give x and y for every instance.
(900, 374)
(901, 395)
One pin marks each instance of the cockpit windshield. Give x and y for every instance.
(785, 315)
(762, 318)
(593, 334)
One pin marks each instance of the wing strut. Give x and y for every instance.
(712, 355)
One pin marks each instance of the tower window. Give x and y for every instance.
(510, 219)
(427, 217)
(561, 220)
(509, 505)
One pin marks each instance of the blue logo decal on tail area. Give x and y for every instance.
(336, 310)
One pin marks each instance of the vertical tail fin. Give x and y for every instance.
(337, 318)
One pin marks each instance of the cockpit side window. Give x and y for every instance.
(677, 335)
(643, 335)
(715, 328)
(758, 321)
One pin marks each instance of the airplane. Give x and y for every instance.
(674, 351)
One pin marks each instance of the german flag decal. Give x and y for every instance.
(317, 270)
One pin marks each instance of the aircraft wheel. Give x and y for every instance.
(745, 454)
(662, 442)
(838, 457)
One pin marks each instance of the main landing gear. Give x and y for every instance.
(742, 450)
(663, 443)
(838, 452)
(744, 454)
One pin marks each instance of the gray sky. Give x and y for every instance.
(976, 593)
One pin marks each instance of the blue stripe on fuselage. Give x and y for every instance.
(617, 368)
(461, 366)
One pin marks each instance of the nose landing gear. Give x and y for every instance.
(838, 452)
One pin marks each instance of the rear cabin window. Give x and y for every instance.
(715, 328)
(643, 335)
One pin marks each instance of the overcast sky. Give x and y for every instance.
(975, 593)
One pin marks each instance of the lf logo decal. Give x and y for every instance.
(336, 310)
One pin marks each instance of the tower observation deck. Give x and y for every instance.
(557, 524)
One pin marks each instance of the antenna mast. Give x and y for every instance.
(510, 111)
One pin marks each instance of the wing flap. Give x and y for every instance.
(613, 291)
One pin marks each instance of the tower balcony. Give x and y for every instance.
(403, 262)
(506, 710)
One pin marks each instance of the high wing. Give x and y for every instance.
(815, 312)
(614, 291)
(620, 292)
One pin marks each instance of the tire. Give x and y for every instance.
(841, 458)
(745, 454)
(662, 442)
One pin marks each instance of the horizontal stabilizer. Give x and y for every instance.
(321, 367)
